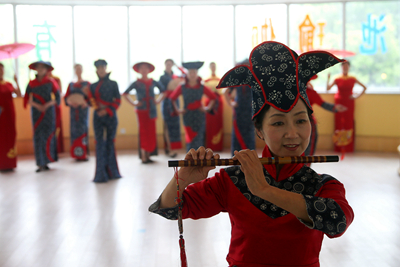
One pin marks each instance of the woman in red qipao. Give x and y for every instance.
(8, 133)
(214, 118)
(315, 98)
(59, 128)
(279, 216)
(344, 96)
(145, 109)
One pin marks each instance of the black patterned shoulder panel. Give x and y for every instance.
(168, 213)
(325, 213)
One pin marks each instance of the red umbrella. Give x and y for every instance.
(14, 50)
(336, 52)
(340, 53)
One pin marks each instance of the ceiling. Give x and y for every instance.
(160, 2)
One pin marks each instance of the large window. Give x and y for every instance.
(208, 36)
(50, 29)
(7, 37)
(373, 32)
(258, 23)
(225, 34)
(316, 26)
(101, 32)
(155, 35)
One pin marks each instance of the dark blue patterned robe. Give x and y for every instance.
(243, 135)
(105, 94)
(44, 123)
(79, 123)
(194, 117)
(171, 118)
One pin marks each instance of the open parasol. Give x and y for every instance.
(336, 52)
(14, 50)
(340, 53)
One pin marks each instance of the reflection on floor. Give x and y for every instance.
(60, 218)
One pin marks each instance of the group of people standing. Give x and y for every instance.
(202, 116)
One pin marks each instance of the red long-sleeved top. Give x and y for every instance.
(262, 233)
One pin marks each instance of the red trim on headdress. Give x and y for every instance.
(136, 66)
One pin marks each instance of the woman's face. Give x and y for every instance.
(144, 69)
(286, 134)
(192, 74)
(213, 67)
(78, 70)
(101, 71)
(345, 68)
(41, 70)
(168, 65)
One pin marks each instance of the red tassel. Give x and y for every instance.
(183, 253)
(180, 223)
(343, 152)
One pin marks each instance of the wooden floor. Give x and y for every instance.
(61, 218)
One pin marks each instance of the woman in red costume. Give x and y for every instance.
(8, 133)
(145, 109)
(214, 118)
(344, 96)
(315, 98)
(59, 128)
(279, 215)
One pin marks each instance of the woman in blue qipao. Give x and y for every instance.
(79, 116)
(193, 111)
(172, 123)
(43, 95)
(105, 99)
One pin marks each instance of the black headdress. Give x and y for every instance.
(193, 65)
(33, 65)
(277, 75)
(100, 62)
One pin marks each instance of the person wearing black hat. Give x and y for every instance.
(193, 111)
(145, 109)
(279, 214)
(105, 99)
(171, 119)
(8, 134)
(243, 132)
(43, 95)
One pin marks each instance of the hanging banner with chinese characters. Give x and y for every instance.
(264, 33)
(306, 38)
(372, 34)
(306, 34)
(44, 38)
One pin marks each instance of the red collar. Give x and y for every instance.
(287, 169)
(79, 84)
(36, 82)
(197, 86)
(147, 82)
(213, 78)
